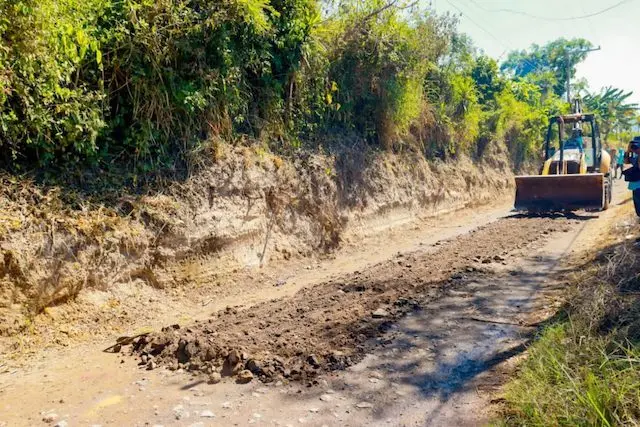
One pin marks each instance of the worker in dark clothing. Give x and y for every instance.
(632, 173)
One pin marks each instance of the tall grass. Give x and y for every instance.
(584, 370)
(575, 378)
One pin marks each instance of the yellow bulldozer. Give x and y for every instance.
(576, 171)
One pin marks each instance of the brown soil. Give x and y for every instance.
(332, 325)
(73, 267)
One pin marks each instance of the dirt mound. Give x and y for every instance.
(332, 325)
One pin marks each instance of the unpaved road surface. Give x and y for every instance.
(412, 340)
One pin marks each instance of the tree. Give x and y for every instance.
(547, 65)
(612, 110)
(487, 80)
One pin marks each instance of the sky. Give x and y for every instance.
(616, 31)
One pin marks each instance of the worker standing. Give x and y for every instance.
(613, 152)
(620, 162)
(632, 174)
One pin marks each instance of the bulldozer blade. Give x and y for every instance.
(559, 192)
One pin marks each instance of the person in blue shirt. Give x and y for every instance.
(618, 165)
(631, 158)
(576, 140)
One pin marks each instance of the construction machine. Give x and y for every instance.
(576, 171)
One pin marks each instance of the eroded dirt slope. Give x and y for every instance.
(245, 209)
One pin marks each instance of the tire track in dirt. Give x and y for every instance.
(331, 325)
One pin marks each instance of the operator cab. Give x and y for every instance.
(567, 155)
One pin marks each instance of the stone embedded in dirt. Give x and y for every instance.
(380, 313)
(364, 405)
(226, 405)
(326, 398)
(244, 377)
(214, 378)
(151, 365)
(207, 414)
(62, 423)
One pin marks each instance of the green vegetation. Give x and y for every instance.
(584, 369)
(616, 115)
(142, 83)
(547, 65)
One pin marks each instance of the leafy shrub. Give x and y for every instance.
(141, 82)
(47, 108)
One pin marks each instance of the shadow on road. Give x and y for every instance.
(441, 352)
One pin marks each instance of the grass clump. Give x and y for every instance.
(574, 379)
(584, 369)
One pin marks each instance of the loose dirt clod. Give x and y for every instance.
(49, 418)
(244, 377)
(215, 378)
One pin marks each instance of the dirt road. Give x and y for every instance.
(385, 338)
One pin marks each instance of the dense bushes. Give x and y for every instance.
(142, 81)
(146, 77)
(48, 106)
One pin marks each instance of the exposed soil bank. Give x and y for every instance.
(246, 209)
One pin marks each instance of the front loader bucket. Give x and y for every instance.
(559, 192)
